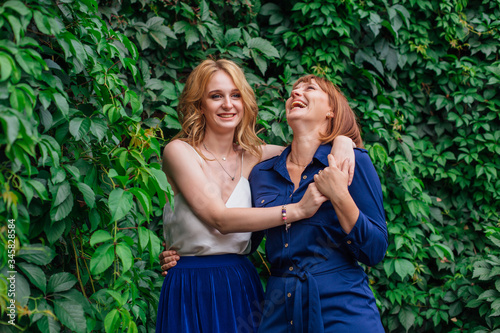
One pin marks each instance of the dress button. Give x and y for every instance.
(289, 294)
(290, 269)
(291, 322)
(262, 201)
(286, 244)
(304, 177)
(348, 242)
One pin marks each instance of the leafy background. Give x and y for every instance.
(88, 91)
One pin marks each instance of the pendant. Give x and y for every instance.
(223, 158)
(232, 178)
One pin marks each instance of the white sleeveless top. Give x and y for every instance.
(189, 236)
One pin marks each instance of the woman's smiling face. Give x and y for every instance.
(308, 101)
(222, 103)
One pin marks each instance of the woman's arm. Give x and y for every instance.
(342, 149)
(204, 197)
(359, 208)
(332, 182)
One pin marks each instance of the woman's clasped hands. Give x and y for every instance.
(333, 180)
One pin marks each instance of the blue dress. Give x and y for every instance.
(317, 284)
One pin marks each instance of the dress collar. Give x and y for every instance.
(321, 155)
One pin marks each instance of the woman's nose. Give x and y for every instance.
(227, 103)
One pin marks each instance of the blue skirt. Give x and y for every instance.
(216, 294)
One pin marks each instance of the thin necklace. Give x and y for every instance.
(302, 166)
(232, 177)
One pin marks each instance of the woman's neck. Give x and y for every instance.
(303, 148)
(219, 144)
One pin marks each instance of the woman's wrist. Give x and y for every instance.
(294, 213)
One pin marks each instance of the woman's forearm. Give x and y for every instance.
(347, 212)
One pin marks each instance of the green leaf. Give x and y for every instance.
(42, 23)
(119, 203)
(61, 103)
(78, 49)
(58, 177)
(23, 290)
(112, 321)
(260, 62)
(124, 253)
(100, 236)
(143, 234)
(263, 46)
(16, 26)
(74, 171)
(160, 176)
(98, 128)
(102, 258)
(6, 66)
(79, 127)
(389, 266)
(277, 130)
(35, 274)
(406, 317)
(159, 37)
(447, 252)
(71, 314)
(61, 282)
(192, 35)
(61, 211)
(55, 230)
(63, 191)
(205, 12)
(144, 199)
(10, 126)
(18, 6)
(36, 254)
(232, 35)
(404, 267)
(48, 323)
(88, 194)
(94, 218)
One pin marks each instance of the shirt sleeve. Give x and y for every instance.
(368, 240)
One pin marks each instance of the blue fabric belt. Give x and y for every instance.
(306, 282)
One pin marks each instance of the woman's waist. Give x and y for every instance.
(219, 260)
(314, 264)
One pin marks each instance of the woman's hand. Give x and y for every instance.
(310, 202)
(343, 149)
(333, 180)
(168, 259)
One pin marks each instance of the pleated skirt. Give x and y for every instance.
(213, 294)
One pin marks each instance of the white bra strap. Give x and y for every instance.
(241, 170)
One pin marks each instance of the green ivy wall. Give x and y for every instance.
(88, 91)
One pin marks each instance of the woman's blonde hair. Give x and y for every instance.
(344, 120)
(190, 104)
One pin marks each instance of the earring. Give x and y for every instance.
(329, 114)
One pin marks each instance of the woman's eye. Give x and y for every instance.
(215, 96)
(311, 87)
(238, 95)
